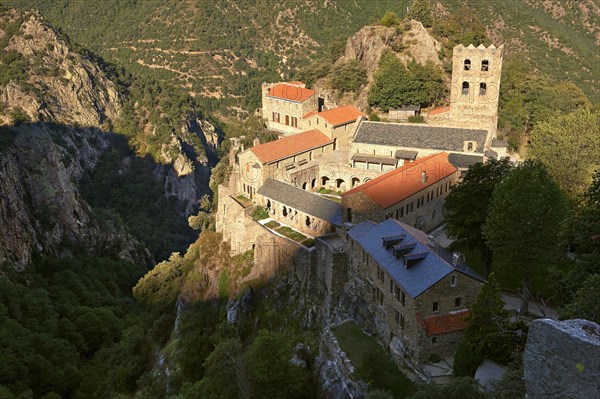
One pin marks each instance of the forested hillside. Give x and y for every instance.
(222, 50)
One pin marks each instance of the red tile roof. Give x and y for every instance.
(443, 324)
(440, 110)
(399, 184)
(291, 145)
(290, 92)
(340, 115)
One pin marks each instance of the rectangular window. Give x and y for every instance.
(397, 316)
(453, 281)
(402, 212)
(436, 306)
(433, 340)
(457, 302)
(391, 286)
(402, 322)
(380, 274)
(403, 298)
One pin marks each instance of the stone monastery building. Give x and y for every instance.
(372, 188)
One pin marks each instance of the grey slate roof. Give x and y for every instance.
(417, 136)
(418, 278)
(304, 201)
(499, 143)
(373, 159)
(406, 154)
(463, 161)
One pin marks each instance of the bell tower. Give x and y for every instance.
(475, 90)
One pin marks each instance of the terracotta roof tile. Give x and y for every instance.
(288, 146)
(440, 110)
(341, 115)
(290, 92)
(443, 324)
(393, 187)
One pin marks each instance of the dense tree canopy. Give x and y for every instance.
(569, 146)
(468, 204)
(395, 85)
(524, 218)
(420, 10)
(348, 76)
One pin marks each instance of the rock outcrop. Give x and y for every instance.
(562, 359)
(41, 211)
(60, 85)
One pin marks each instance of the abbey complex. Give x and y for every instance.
(350, 202)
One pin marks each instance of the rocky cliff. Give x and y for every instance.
(409, 42)
(41, 211)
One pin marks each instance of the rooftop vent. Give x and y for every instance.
(424, 177)
(412, 259)
(390, 241)
(403, 248)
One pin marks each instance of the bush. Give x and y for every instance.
(390, 19)
(260, 213)
(416, 119)
(18, 116)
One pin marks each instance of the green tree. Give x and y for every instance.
(395, 84)
(468, 204)
(390, 19)
(420, 10)
(226, 375)
(462, 27)
(521, 228)
(272, 375)
(581, 281)
(569, 146)
(487, 334)
(348, 76)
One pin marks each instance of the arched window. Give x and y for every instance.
(465, 88)
(470, 146)
(485, 65)
(482, 89)
(467, 65)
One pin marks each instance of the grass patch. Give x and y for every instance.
(323, 190)
(290, 233)
(309, 243)
(244, 201)
(372, 362)
(272, 224)
(260, 213)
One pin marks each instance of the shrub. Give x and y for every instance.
(18, 116)
(260, 213)
(416, 119)
(390, 19)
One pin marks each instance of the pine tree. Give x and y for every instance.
(420, 10)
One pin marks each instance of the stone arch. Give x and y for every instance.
(324, 180)
(482, 89)
(485, 65)
(339, 182)
(284, 212)
(334, 142)
(465, 88)
(313, 183)
(354, 181)
(304, 185)
(467, 65)
(366, 180)
(307, 221)
(268, 204)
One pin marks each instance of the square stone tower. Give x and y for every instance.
(475, 90)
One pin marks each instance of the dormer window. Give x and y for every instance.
(465, 88)
(485, 65)
(467, 65)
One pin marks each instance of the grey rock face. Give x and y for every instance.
(562, 359)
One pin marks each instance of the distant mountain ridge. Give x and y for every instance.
(222, 50)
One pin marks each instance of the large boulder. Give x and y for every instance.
(562, 359)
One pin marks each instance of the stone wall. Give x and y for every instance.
(562, 359)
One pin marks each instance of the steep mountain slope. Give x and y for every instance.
(222, 50)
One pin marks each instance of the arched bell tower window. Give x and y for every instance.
(485, 65)
(465, 88)
(467, 65)
(482, 89)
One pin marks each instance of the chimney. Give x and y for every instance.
(424, 177)
(256, 142)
